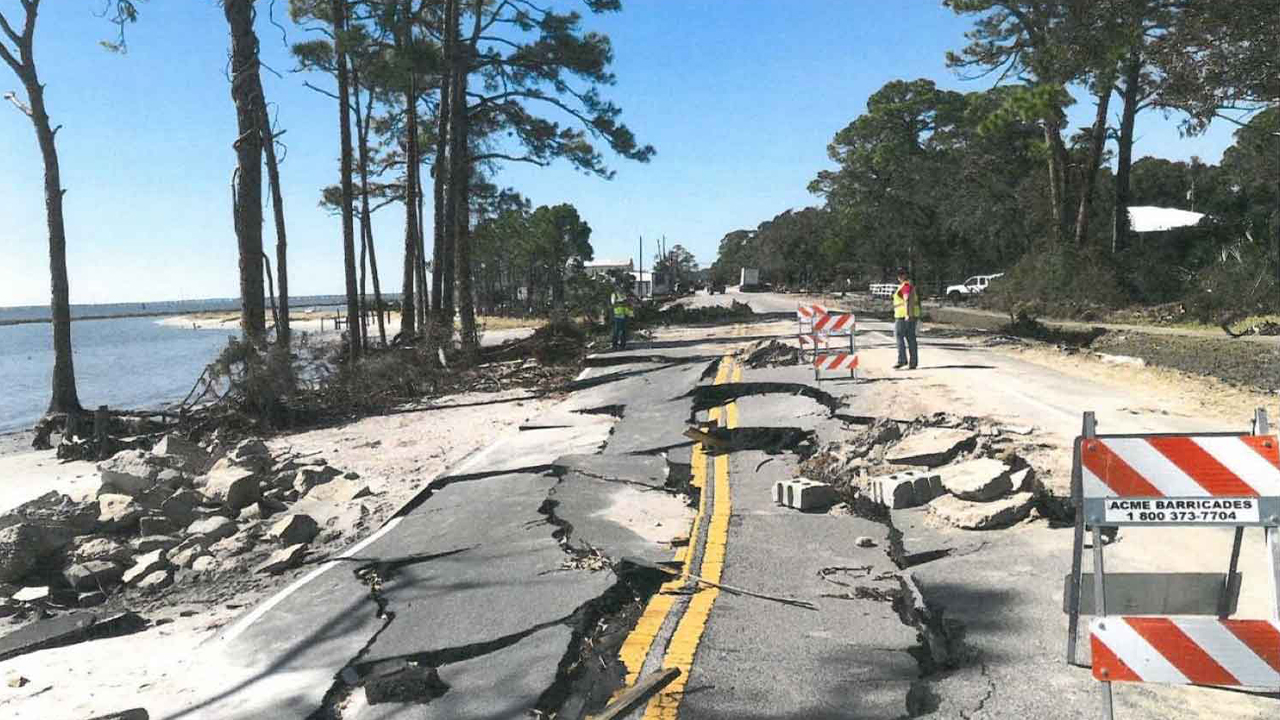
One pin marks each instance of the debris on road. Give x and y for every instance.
(402, 681)
(970, 515)
(804, 494)
(638, 562)
(980, 480)
(633, 697)
(931, 447)
(769, 353)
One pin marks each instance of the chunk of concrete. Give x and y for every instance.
(251, 453)
(89, 548)
(211, 529)
(283, 559)
(19, 551)
(156, 581)
(156, 525)
(294, 529)
(931, 447)
(236, 545)
(118, 512)
(184, 555)
(804, 494)
(340, 491)
(981, 480)
(92, 574)
(32, 594)
(204, 564)
(180, 507)
(308, 477)
(145, 565)
(906, 489)
(149, 543)
(56, 514)
(968, 515)
(894, 492)
(235, 487)
(178, 453)
(128, 472)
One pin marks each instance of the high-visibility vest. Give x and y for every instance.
(900, 302)
(622, 310)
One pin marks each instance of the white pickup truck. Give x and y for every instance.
(975, 285)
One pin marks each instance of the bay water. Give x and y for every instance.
(120, 361)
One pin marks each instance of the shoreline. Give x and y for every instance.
(164, 314)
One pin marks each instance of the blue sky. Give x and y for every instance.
(740, 99)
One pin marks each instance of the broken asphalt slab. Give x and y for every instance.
(481, 688)
(68, 629)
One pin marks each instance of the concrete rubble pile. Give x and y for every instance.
(177, 515)
(966, 472)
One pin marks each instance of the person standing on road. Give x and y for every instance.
(906, 315)
(622, 310)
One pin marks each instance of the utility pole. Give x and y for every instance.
(640, 269)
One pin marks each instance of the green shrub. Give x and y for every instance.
(1063, 282)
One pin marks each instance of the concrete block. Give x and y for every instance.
(906, 489)
(804, 494)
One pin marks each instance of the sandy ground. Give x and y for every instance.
(397, 455)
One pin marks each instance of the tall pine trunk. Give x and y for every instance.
(1124, 159)
(460, 185)
(1097, 143)
(246, 93)
(444, 260)
(1057, 179)
(408, 323)
(366, 216)
(64, 398)
(277, 208)
(348, 216)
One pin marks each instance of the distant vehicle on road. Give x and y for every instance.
(975, 285)
(716, 287)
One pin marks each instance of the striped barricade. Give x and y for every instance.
(1187, 651)
(1200, 480)
(817, 325)
(807, 316)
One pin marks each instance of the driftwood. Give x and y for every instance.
(637, 694)
(727, 588)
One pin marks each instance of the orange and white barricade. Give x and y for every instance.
(1175, 628)
(817, 326)
(806, 317)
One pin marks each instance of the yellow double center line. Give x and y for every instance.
(684, 641)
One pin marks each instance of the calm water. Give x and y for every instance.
(124, 362)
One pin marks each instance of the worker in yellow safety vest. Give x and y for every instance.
(906, 315)
(623, 308)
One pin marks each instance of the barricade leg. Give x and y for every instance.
(1077, 551)
(1100, 609)
(1224, 602)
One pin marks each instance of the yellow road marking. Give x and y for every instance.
(636, 647)
(688, 633)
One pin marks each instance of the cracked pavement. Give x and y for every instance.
(497, 575)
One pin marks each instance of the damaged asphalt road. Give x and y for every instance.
(493, 593)
(485, 578)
